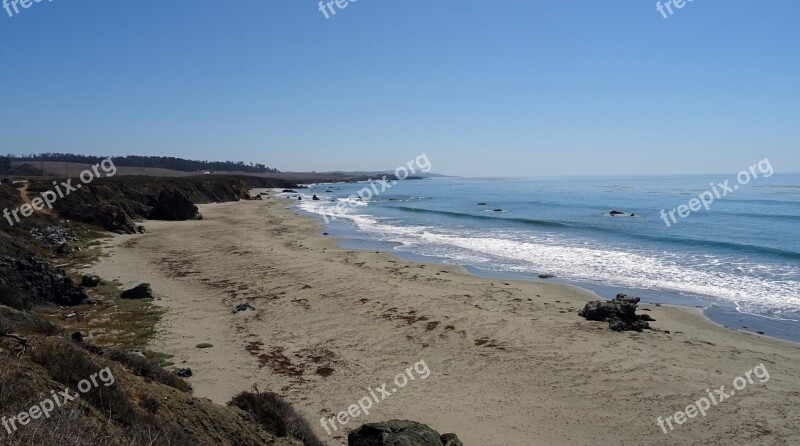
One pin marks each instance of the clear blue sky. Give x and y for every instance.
(511, 87)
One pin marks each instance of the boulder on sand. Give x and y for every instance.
(90, 280)
(620, 313)
(243, 307)
(400, 433)
(141, 291)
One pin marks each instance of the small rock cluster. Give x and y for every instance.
(53, 236)
(399, 432)
(620, 313)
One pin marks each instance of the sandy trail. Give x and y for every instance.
(511, 364)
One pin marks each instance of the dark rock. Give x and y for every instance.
(6, 181)
(77, 336)
(112, 218)
(289, 191)
(243, 307)
(616, 213)
(140, 229)
(141, 291)
(315, 198)
(325, 233)
(451, 440)
(620, 313)
(299, 198)
(399, 433)
(26, 281)
(184, 373)
(64, 249)
(90, 280)
(498, 210)
(546, 276)
(173, 205)
(482, 204)
(94, 349)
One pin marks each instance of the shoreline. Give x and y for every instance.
(518, 365)
(716, 310)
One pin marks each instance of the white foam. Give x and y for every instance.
(738, 281)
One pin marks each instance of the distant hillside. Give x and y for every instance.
(388, 173)
(137, 161)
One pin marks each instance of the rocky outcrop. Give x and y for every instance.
(173, 205)
(114, 219)
(116, 203)
(399, 433)
(620, 313)
(28, 281)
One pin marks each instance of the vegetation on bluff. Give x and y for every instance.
(161, 162)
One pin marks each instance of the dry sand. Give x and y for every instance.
(511, 363)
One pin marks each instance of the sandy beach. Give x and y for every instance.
(511, 363)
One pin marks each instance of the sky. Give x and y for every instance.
(483, 88)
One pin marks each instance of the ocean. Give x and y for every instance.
(739, 259)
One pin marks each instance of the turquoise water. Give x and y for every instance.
(739, 259)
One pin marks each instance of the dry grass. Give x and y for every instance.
(103, 416)
(276, 416)
(139, 365)
(109, 321)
